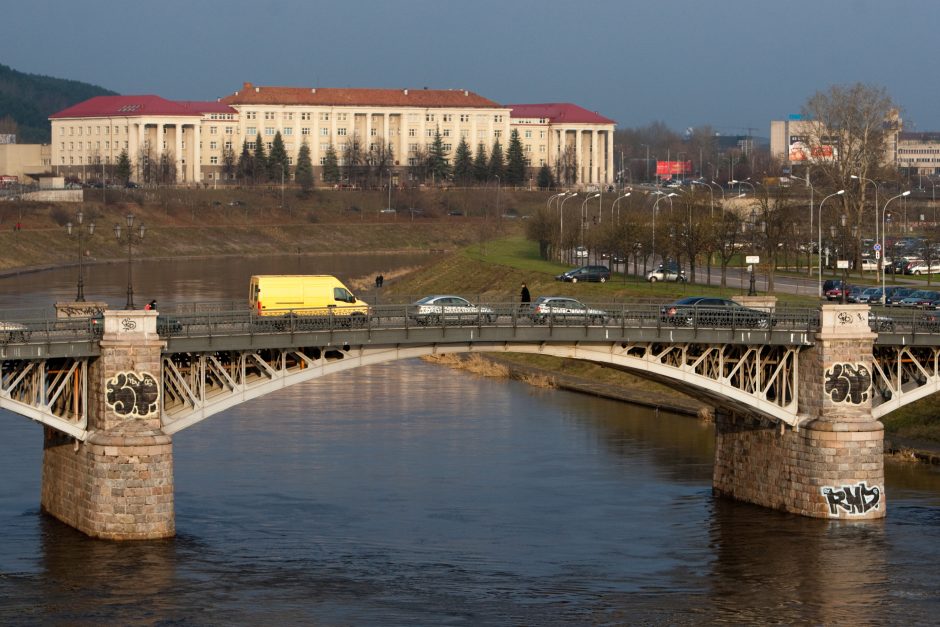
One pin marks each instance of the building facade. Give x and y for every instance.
(201, 139)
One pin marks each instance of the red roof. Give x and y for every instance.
(331, 96)
(130, 106)
(558, 113)
(203, 107)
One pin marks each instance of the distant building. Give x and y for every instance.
(25, 161)
(919, 153)
(792, 141)
(197, 136)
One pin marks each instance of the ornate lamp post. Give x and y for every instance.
(131, 238)
(79, 233)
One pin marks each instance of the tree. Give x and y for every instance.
(331, 165)
(354, 159)
(229, 161)
(480, 165)
(566, 167)
(437, 158)
(303, 171)
(846, 130)
(545, 179)
(278, 163)
(259, 161)
(122, 170)
(245, 162)
(516, 161)
(497, 165)
(463, 163)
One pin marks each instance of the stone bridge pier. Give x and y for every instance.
(832, 464)
(118, 483)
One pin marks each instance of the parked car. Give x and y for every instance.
(667, 272)
(563, 309)
(920, 266)
(919, 298)
(706, 311)
(598, 274)
(448, 308)
(869, 295)
(836, 292)
(854, 293)
(895, 294)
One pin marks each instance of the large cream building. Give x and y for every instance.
(197, 135)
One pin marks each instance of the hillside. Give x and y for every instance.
(29, 99)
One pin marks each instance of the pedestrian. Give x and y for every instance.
(524, 298)
(151, 306)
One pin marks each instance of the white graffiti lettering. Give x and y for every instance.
(853, 500)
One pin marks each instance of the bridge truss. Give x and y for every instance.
(51, 391)
(903, 374)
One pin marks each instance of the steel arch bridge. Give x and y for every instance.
(216, 361)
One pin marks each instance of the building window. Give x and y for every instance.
(340, 117)
(251, 130)
(229, 130)
(446, 132)
(305, 116)
(497, 133)
(213, 145)
(413, 117)
(305, 130)
(464, 117)
(322, 160)
(268, 146)
(251, 145)
(289, 131)
(213, 130)
(324, 147)
(528, 134)
(269, 130)
(412, 147)
(251, 115)
(228, 145)
(541, 134)
(464, 133)
(373, 131)
(324, 132)
(498, 119)
(448, 117)
(430, 132)
(214, 160)
(428, 117)
(412, 132)
(269, 115)
(447, 147)
(288, 116)
(325, 117)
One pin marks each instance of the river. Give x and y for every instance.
(411, 494)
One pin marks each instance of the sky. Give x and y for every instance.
(732, 64)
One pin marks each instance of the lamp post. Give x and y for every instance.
(583, 216)
(131, 238)
(735, 182)
(812, 190)
(819, 241)
(389, 205)
(79, 233)
(655, 207)
(561, 219)
(862, 180)
(711, 195)
(619, 198)
(884, 213)
(647, 162)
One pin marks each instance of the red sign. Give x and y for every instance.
(667, 169)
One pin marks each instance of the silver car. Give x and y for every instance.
(561, 309)
(448, 308)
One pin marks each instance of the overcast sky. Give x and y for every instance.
(729, 63)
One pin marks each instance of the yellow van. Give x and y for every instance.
(304, 295)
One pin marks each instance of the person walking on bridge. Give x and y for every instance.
(524, 299)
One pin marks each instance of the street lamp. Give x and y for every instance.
(862, 181)
(79, 233)
(711, 195)
(655, 207)
(735, 182)
(812, 190)
(131, 238)
(819, 240)
(561, 219)
(583, 216)
(884, 213)
(647, 162)
(619, 198)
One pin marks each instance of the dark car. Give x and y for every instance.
(599, 274)
(705, 311)
(896, 294)
(920, 298)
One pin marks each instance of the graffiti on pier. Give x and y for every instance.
(133, 394)
(853, 500)
(848, 383)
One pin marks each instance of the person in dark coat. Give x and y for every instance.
(524, 298)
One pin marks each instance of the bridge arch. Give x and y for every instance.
(752, 379)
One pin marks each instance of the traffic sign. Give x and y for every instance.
(877, 246)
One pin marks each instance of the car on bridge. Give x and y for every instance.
(448, 308)
(706, 311)
(598, 274)
(13, 332)
(562, 309)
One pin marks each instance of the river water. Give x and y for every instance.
(410, 494)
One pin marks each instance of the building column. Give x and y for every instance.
(178, 148)
(595, 158)
(832, 465)
(608, 177)
(579, 156)
(118, 483)
(197, 153)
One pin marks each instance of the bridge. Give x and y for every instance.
(797, 399)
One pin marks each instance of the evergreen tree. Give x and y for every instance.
(437, 158)
(516, 166)
(278, 163)
(303, 171)
(259, 161)
(245, 163)
(545, 180)
(331, 165)
(463, 163)
(481, 168)
(497, 166)
(122, 170)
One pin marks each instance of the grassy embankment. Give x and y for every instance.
(196, 223)
(495, 271)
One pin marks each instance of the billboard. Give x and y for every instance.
(802, 150)
(668, 169)
(6, 138)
